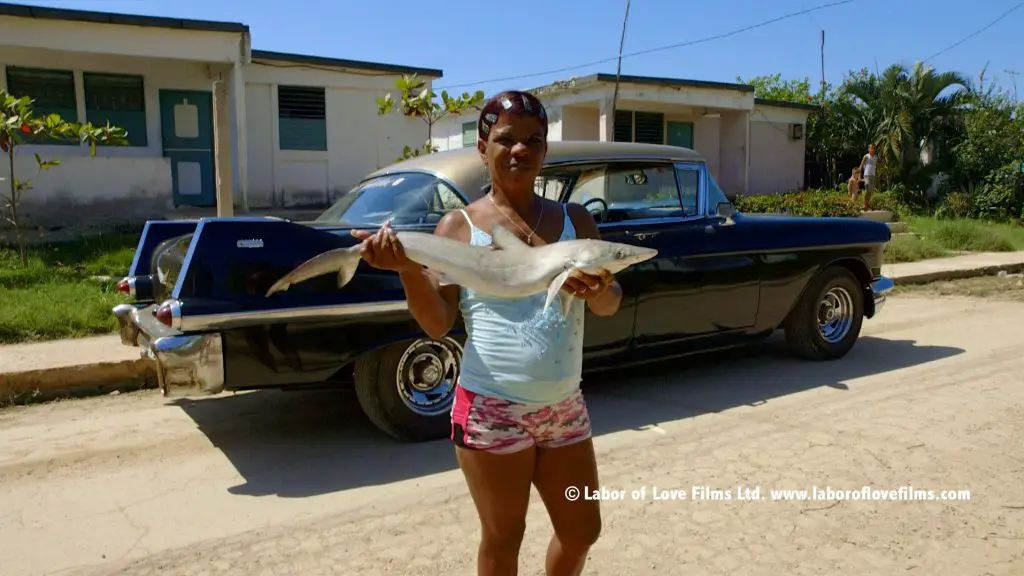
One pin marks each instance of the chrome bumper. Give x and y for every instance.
(880, 288)
(186, 364)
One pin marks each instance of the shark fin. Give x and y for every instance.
(506, 240)
(567, 300)
(349, 265)
(441, 278)
(556, 287)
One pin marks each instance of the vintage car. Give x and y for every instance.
(720, 279)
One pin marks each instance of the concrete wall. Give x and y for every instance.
(137, 180)
(773, 163)
(733, 152)
(581, 123)
(776, 160)
(358, 140)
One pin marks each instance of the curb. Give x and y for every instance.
(927, 277)
(82, 380)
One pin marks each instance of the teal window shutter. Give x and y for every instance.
(302, 117)
(469, 136)
(118, 99)
(52, 92)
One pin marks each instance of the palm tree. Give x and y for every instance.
(904, 111)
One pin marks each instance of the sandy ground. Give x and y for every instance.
(274, 483)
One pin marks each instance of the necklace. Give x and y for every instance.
(529, 235)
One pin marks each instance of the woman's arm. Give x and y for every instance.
(434, 307)
(602, 293)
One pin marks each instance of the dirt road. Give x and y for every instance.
(274, 483)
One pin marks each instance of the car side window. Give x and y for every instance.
(689, 189)
(715, 195)
(624, 193)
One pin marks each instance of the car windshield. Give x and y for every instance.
(406, 198)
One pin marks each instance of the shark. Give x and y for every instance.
(508, 268)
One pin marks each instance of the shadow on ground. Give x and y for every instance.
(299, 444)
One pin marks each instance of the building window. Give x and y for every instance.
(302, 118)
(644, 127)
(52, 92)
(469, 136)
(118, 99)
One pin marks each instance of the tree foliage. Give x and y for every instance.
(417, 101)
(19, 125)
(935, 132)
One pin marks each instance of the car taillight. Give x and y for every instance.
(163, 315)
(126, 286)
(169, 314)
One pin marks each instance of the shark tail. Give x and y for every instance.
(344, 261)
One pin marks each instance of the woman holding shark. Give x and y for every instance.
(519, 417)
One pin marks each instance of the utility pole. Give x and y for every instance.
(822, 62)
(618, 70)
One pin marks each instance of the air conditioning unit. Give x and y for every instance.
(796, 131)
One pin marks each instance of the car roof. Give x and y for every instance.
(463, 167)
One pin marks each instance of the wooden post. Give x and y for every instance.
(222, 150)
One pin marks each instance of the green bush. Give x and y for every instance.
(955, 205)
(1001, 195)
(806, 203)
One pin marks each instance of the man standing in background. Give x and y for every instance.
(868, 170)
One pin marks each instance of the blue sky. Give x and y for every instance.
(474, 41)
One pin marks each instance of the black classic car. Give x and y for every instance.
(720, 279)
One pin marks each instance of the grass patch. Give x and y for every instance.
(909, 248)
(969, 235)
(55, 296)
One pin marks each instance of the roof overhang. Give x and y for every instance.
(122, 34)
(340, 65)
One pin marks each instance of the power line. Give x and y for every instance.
(658, 49)
(975, 33)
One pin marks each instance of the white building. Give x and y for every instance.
(303, 129)
(751, 145)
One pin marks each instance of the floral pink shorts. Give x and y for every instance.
(502, 427)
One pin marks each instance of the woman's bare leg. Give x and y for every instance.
(577, 523)
(500, 487)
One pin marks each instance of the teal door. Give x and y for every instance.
(680, 134)
(186, 122)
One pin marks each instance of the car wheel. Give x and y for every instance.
(406, 389)
(826, 321)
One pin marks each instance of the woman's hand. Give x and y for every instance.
(382, 250)
(589, 286)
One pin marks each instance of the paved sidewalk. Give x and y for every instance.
(954, 267)
(100, 362)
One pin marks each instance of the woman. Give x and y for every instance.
(518, 417)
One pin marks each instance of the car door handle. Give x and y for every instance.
(645, 235)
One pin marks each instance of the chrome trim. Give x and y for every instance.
(131, 286)
(186, 364)
(197, 323)
(128, 329)
(880, 289)
(189, 364)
